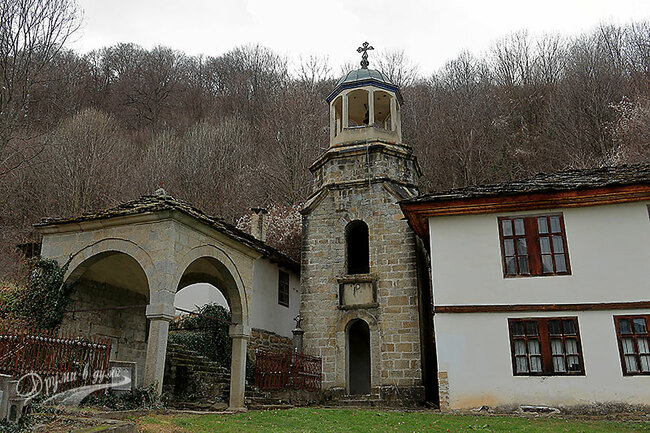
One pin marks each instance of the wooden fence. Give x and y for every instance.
(69, 360)
(288, 370)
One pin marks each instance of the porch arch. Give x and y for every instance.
(111, 276)
(211, 264)
(107, 245)
(236, 296)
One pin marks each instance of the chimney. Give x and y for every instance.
(257, 223)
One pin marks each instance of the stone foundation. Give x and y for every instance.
(443, 390)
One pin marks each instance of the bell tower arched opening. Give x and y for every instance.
(357, 248)
(358, 110)
(358, 357)
(383, 110)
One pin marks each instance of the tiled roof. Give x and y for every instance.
(161, 201)
(363, 75)
(566, 180)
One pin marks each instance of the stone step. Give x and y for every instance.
(368, 400)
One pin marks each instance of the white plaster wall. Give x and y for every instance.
(265, 312)
(474, 350)
(609, 252)
(194, 296)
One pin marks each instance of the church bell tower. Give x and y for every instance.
(361, 299)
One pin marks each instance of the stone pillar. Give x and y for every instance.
(332, 121)
(159, 315)
(297, 339)
(371, 107)
(345, 110)
(393, 114)
(240, 336)
(398, 120)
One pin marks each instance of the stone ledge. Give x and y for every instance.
(358, 306)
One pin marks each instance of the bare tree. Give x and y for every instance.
(32, 33)
(397, 66)
(91, 159)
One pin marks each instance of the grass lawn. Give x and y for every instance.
(366, 420)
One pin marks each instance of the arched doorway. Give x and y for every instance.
(109, 296)
(358, 357)
(212, 271)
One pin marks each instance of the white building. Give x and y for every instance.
(541, 293)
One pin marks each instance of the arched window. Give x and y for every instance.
(358, 114)
(357, 249)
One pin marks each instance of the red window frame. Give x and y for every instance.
(531, 245)
(640, 353)
(546, 355)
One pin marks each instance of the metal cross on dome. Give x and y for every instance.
(364, 48)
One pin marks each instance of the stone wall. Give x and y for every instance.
(126, 327)
(267, 341)
(360, 162)
(394, 319)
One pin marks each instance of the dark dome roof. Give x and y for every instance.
(363, 75)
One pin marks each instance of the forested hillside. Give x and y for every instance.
(226, 133)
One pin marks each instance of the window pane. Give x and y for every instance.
(556, 346)
(624, 325)
(628, 345)
(558, 364)
(506, 227)
(535, 364)
(521, 247)
(569, 327)
(531, 328)
(520, 347)
(558, 244)
(639, 326)
(523, 265)
(510, 266)
(545, 245)
(533, 347)
(573, 362)
(554, 327)
(555, 224)
(560, 263)
(642, 343)
(522, 364)
(509, 247)
(571, 346)
(630, 364)
(517, 328)
(519, 227)
(542, 225)
(645, 363)
(547, 264)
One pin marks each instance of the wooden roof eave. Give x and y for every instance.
(418, 212)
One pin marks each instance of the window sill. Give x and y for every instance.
(535, 276)
(359, 306)
(357, 278)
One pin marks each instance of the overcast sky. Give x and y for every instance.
(430, 32)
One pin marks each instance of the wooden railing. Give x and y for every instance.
(69, 360)
(288, 370)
